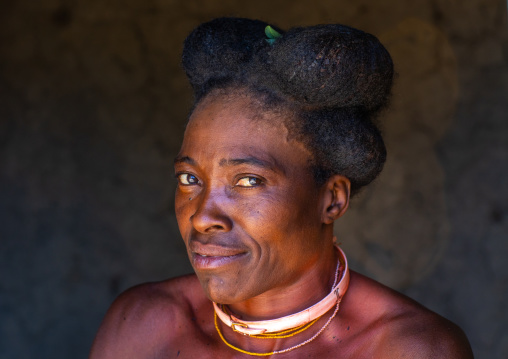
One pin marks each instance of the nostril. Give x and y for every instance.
(215, 228)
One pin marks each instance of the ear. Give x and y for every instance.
(335, 198)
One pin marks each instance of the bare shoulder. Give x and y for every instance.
(148, 317)
(426, 335)
(396, 326)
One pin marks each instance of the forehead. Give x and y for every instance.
(225, 128)
(237, 112)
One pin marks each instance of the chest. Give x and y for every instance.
(329, 345)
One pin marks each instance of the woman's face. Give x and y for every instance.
(247, 205)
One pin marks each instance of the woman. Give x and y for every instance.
(281, 135)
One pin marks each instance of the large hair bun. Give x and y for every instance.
(333, 79)
(321, 66)
(221, 49)
(332, 66)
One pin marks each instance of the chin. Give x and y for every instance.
(222, 291)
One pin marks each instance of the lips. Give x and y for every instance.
(213, 256)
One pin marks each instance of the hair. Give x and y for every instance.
(333, 80)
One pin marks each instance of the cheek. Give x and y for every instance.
(268, 218)
(293, 205)
(285, 223)
(183, 212)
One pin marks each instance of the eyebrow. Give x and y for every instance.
(254, 161)
(250, 160)
(184, 159)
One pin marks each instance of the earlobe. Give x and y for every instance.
(336, 198)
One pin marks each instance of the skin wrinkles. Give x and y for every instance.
(261, 219)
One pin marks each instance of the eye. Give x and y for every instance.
(186, 179)
(249, 182)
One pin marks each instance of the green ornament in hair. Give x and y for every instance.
(272, 34)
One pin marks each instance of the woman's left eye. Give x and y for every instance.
(248, 182)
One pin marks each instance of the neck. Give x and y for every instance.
(312, 286)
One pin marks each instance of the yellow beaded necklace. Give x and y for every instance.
(283, 350)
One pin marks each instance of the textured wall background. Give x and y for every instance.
(92, 108)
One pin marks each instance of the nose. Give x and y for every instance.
(210, 216)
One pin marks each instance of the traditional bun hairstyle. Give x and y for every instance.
(333, 79)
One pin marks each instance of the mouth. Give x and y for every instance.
(210, 256)
(203, 262)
